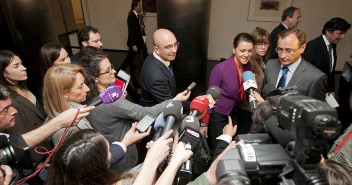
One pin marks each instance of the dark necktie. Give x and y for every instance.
(330, 57)
(171, 71)
(282, 82)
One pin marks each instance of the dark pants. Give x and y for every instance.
(244, 121)
(217, 123)
(129, 62)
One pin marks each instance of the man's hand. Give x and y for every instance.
(5, 175)
(229, 129)
(133, 135)
(65, 118)
(204, 131)
(182, 96)
(159, 149)
(135, 48)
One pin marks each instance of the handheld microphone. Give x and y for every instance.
(213, 94)
(250, 85)
(109, 95)
(191, 137)
(172, 113)
(159, 125)
(199, 105)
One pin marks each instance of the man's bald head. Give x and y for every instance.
(165, 44)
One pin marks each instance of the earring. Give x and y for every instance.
(66, 97)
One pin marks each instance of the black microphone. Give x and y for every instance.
(159, 126)
(172, 113)
(250, 85)
(109, 95)
(191, 137)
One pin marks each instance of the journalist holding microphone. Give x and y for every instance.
(227, 75)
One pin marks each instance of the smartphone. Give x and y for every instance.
(122, 80)
(191, 87)
(145, 122)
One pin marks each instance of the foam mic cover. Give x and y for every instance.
(199, 105)
(190, 121)
(172, 113)
(249, 83)
(159, 125)
(109, 95)
(214, 91)
(270, 90)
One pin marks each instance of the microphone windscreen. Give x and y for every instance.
(173, 108)
(190, 121)
(248, 75)
(199, 103)
(214, 91)
(270, 90)
(111, 94)
(159, 122)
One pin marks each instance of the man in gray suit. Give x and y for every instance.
(290, 69)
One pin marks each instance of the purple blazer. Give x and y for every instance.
(224, 75)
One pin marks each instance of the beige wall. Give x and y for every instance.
(228, 17)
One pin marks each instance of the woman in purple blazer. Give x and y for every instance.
(227, 75)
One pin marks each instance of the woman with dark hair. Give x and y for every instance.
(114, 120)
(84, 159)
(53, 53)
(30, 114)
(335, 173)
(227, 75)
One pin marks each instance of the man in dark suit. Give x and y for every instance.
(157, 79)
(135, 41)
(291, 17)
(321, 51)
(291, 70)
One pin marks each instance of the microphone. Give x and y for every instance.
(159, 125)
(199, 105)
(109, 95)
(172, 113)
(213, 94)
(250, 85)
(191, 137)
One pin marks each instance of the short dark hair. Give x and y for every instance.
(301, 36)
(88, 50)
(83, 33)
(242, 37)
(288, 12)
(336, 23)
(4, 93)
(134, 4)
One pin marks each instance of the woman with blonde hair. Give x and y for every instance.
(64, 88)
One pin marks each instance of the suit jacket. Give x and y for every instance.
(317, 54)
(309, 80)
(135, 37)
(273, 37)
(224, 75)
(157, 83)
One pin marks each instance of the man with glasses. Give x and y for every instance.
(290, 18)
(290, 69)
(321, 51)
(157, 77)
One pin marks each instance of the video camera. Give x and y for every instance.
(15, 151)
(312, 121)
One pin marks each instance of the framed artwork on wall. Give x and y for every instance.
(267, 10)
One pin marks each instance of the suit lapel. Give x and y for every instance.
(275, 73)
(298, 75)
(24, 102)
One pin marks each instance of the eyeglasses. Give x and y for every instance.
(262, 44)
(287, 50)
(169, 47)
(108, 70)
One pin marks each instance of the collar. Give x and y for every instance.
(292, 67)
(135, 13)
(284, 25)
(166, 63)
(326, 40)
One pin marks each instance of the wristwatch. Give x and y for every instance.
(204, 125)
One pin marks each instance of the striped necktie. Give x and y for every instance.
(330, 57)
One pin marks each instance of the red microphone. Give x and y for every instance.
(199, 105)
